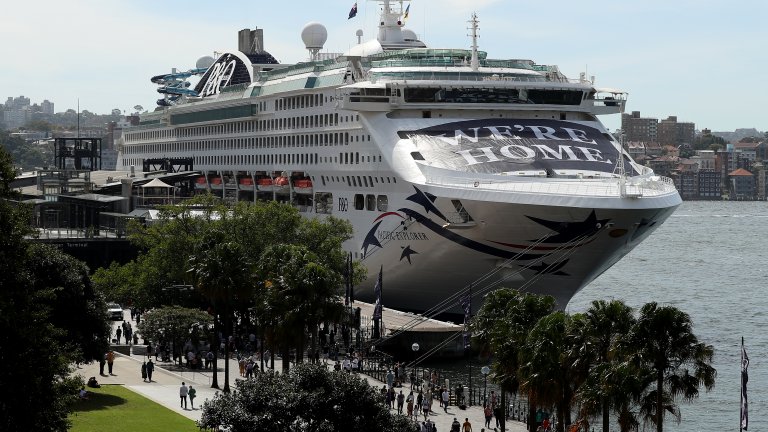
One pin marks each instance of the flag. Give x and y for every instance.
(466, 304)
(347, 280)
(350, 272)
(744, 379)
(353, 11)
(407, 10)
(377, 293)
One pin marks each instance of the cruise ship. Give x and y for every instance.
(459, 173)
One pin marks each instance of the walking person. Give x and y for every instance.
(446, 399)
(118, 333)
(488, 416)
(425, 408)
(192, 393)
(144, 371)
(110, 360)
(410, 405)
(400, 402)
(150, 369)
(467, 426)
(183, 392)
(102, 362)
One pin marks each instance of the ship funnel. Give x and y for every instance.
(250, 41)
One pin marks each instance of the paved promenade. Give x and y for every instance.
(167, 378)
(164, 389)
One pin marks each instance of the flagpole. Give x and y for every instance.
(741, 387)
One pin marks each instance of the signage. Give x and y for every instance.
(230, 69)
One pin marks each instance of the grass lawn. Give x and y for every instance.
(114, 408)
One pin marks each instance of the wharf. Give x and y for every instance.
(400, 330)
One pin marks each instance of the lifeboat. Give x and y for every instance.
(201, 183)
(216, 183)
(265, 184)
(282, 184)
(246, 183)
(303, 186)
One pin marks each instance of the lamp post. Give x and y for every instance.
(485, 370)
(415, 348)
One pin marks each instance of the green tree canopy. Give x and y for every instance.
(309, 398)
(175, 324)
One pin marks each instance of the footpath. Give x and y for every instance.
(167, 378)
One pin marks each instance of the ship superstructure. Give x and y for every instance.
(454, 169)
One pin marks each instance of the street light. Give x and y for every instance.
(415, 348)
(485, 370)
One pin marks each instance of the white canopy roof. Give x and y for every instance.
(157, 183)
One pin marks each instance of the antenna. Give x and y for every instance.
(474, 63)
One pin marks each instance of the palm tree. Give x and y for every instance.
(304, 292)
(501, 327)
(224, 275)
(545, 374)
(663, 343)
(607, 322)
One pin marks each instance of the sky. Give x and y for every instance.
(701, 60)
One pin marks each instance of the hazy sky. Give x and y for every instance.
(702, 60)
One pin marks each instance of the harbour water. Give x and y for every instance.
(709, 260)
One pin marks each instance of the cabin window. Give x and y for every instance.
(382, 203)
(370, 202)
(359, 202)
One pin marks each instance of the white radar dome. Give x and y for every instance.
(204, 62)
(314, 35)
(409, 34)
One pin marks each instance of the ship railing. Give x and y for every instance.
(575, 187)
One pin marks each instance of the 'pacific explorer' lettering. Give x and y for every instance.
(401, 235)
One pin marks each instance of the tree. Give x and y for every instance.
(75, 307)
(544, 372)
(309, 398)
(35, 365)
(604, 324)
(175, 324)
(501, 327)
(662, 342)
(303, 292)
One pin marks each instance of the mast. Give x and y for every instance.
(474, 63)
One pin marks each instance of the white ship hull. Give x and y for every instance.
(453, 173)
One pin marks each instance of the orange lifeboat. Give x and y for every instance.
(246, 183)
(201, 183)
(303, 186)
(216, 183)
(281, 181)
(265, 184)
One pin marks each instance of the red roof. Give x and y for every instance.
(740, 172)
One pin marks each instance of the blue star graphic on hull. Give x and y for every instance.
(569, 231)
(407, 252)
(370, 239)
(426, 200)
(545, 268)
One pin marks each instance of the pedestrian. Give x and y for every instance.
(400, 402)
(488, 415)
(410, 405)
(446, 399)
(425, 408)
(183, 392)
(192, 393)
(150, 369)
(110, 360)
(208, 359)
(390, 378)
(102, 362)
(144, 371)
(498, 412)
(455, 426)
(493, 399)
(149, 349)
(118, 333)
(467, 426)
